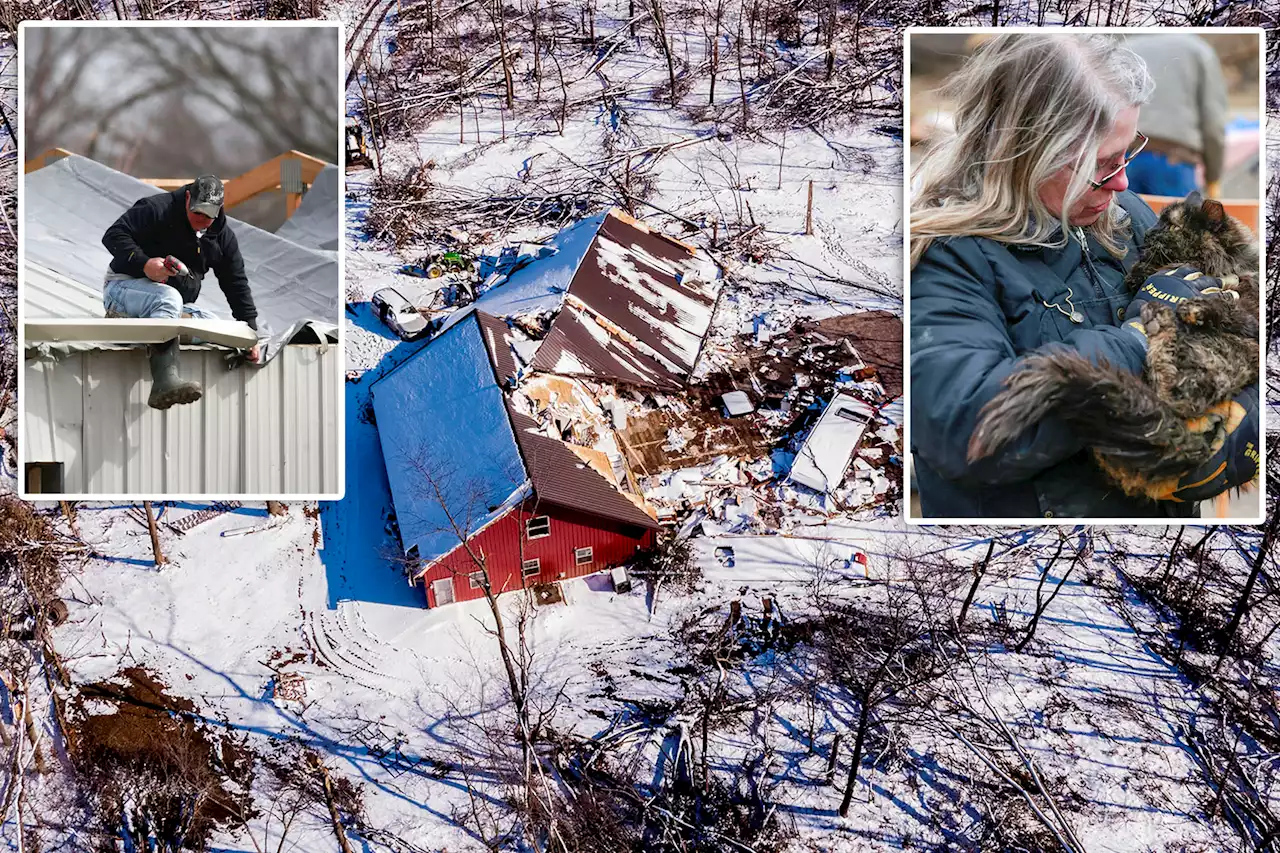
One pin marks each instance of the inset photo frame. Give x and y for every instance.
(180, 260)
(1083, 275)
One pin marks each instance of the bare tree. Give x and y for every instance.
(885, 656)
(1042, 602)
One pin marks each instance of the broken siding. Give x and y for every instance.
(267, 430)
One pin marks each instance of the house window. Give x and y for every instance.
(529, 568)
(538, 527)
(476, 579)
(582, 556)
(44, 478)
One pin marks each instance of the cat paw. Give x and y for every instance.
(1192, 313)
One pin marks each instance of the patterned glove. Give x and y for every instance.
(1236, 462)
(1169, 287)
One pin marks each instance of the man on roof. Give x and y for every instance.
(189, 225)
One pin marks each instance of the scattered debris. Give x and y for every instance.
(737, 403)
(290, 686)
(190, 520)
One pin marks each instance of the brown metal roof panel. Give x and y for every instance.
(649, 287)
(560, 477)
(877, 336)
(578, 346)
(497, 337)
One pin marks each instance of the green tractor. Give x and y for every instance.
(436, 264)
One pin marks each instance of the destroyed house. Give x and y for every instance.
(475, 483)
(637, 310)
(273, 428)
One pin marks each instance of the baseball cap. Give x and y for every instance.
(206, 196)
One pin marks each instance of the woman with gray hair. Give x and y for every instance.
(1022, 230)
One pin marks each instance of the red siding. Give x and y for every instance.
(501, 543)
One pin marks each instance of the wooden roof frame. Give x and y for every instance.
(263, 178)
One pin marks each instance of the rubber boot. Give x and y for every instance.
(167, 387)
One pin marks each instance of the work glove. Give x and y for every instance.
(1236, 462)
(1169, 287)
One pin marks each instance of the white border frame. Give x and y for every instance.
(339, 31)
(1260, 34)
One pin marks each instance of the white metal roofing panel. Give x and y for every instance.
(270, 430)
(50, 294)
(824, 457)
(132, 330)
(68, 205)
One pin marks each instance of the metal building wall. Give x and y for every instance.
(272, 430)
(505, 547)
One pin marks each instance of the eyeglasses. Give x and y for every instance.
(1135, 148)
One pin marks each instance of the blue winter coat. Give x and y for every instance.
(977, 306)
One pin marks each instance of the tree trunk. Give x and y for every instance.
(660, 23)
(1194, 550)
(1242, 603)
(742, 85)
(833, 758)
(500, 30)
(715, 63)
(864, 718)
(808, 213)
(155, 535)
(1168, 564)
(336, 819)
(978, 571)
(833, 11)
(782, 156)
(1042, 606)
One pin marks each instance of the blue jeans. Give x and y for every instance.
(1152, 174)
(142, 297)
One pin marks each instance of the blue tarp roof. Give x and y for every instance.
(452, 460)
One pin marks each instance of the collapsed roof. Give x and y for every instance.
(69, 204)
(638, 308)
(457, 459)
(877, 336)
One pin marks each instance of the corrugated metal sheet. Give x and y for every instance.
(505, 548)
(650, 299)
(273, 430)
(578, 346)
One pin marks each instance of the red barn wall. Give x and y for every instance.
(501, 544)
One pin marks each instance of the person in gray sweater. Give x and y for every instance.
(1185, 120)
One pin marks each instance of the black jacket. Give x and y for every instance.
(157, 226)
(976, 307)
